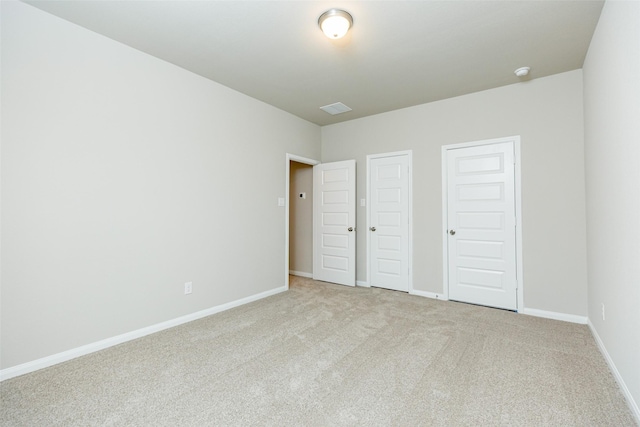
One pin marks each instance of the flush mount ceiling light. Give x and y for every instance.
(522, 71)
(335, 23)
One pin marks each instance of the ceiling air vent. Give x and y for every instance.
(336, 108)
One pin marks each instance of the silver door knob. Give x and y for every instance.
(452, 232)
(350, 229)
(372, 228)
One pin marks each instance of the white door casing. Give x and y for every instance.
(481, 223)
(389, 220)
(334, 222)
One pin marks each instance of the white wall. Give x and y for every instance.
(612, 151)
(120, 182)
(301, 219)
(548, 115)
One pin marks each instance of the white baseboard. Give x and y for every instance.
(54, 359)
(428, 294)
(301, 274)
(362, 283)
(555, 316)
(633, 405)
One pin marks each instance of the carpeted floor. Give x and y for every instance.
(322, 355)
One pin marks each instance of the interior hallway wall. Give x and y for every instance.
(547, 113)
(120, 183)
(612, 149)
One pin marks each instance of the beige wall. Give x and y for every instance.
(120, 183)
(301, 219)
(547, 114)
(612, 149)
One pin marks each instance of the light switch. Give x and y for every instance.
(280, 201)
(302, 195)
(363, 202)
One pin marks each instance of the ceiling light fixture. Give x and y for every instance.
(335, 23)
(522, 71)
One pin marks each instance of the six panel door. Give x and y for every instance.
(481, 225)
(334, 218)
(389, 222)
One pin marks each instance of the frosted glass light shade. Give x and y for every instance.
(335, 23)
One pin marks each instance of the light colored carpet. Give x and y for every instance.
(324, 354)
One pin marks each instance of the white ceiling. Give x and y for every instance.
(398, 53)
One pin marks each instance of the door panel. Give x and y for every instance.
(334, 209)
(389, 217)
(481, 235)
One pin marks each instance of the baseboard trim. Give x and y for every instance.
(301, 274)
(64, 356)
(633, 405)
(362, 284)
(555, 315)
(426, 294)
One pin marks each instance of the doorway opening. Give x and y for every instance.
(301, 219)
(298, 217)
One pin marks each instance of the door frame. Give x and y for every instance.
(291, 158)
(518, 208)
(409, 154)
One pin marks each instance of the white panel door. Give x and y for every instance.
(481, 230)
(334, 222)
(389, 222)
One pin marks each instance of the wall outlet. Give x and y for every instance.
(188, 288)
(602, 311)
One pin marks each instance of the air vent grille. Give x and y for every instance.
(336, 108)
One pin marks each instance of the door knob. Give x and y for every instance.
(372, 228)
(452, 232)
(350, 229)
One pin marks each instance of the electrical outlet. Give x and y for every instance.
(602, 311)
(188, 288)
